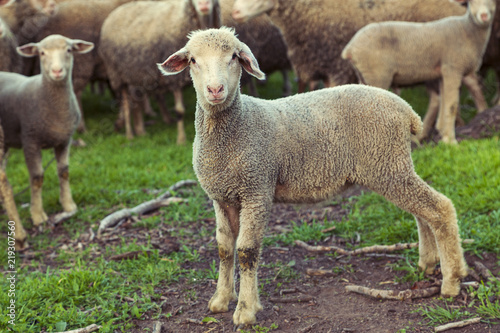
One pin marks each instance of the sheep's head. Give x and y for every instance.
(244, 10)
(215, 58)
(56, 55)
(482, 11)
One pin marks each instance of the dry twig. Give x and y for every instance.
(457, 324)
(157, 328)
(88, 329)
(128, 255)
(319, 272)
(363, 250)
(163, 200)
(62, 216)
(393, 294)
(484, 271)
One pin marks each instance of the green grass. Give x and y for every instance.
(112, 172)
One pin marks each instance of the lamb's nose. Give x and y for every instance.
(216, 90)
(484, 17)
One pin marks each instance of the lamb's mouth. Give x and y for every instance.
(215, 101)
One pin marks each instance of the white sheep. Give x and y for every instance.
(249, 152)
(406, 53)
(41, 112)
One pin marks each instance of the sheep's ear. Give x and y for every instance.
(28, 50)
(81, 46)
(176, 63)
(249, 63)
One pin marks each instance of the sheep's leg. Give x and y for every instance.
(434, 213)
(81, 125)
(431, 114)
(449, 90)
(148, 109)
(7, 197)
(179, 111)
(33, 157)
(287, 86)
(253, 220)
(227, 231)
(125, 109)
(471, 81)
(301, 87)
(138, 118)
(62, 158)
(160, 100)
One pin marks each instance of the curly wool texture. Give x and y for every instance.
(316, 31)
(10, 61)
(250, 152)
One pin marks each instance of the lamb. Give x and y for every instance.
(249, 152)
(406, 53)
(41, 112)
(149, 30)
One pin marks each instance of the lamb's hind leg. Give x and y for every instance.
(65, 197)
(227, 231)
(435, 215)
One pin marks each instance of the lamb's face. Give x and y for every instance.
(215, 58)
(482, 11)
(203, 7)
(56, 55)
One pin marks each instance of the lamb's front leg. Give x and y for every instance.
(33, 157)
(253, 219)
(65, 197)
(227, 218)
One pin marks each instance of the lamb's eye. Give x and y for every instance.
(68, 50)
(234, 56)
(42, 53)
(193, 61)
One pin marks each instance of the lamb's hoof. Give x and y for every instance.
(245, 314)
(70, 207)
(218, 304)
(39, 218)
(21, 245)
(450, 141)
(450, 289)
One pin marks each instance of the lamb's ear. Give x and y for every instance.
(81, 46)
(28, 50)
(249, 63)
(176, 63)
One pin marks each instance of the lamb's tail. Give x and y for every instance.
(416, 125)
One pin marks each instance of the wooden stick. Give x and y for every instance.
(62, 216)
(117, 216)
(363, 250)
(393, 294)
(163, 200)
(87, 329)
(457, 324)
(484, 271)
(157, 328)
(319, 272)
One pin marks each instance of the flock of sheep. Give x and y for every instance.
(302, 148)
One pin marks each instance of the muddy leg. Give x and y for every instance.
(253, 220)
(33, 157)
(449, 107)
(227, 231)
(65, 197)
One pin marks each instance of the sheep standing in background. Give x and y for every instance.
(9, 59)
(81, 19)
(406, 53)
(250, 152)
(41, 112)
(316, 31)
(266, 42)
(137, 35)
